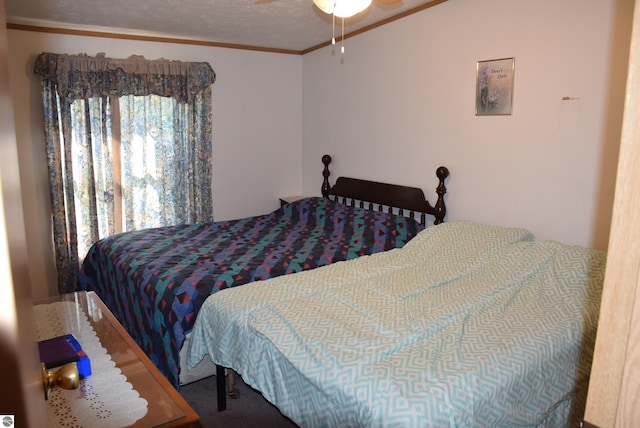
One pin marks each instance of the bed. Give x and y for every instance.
(467, 325)
(154, 281)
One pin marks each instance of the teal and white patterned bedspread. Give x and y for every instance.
(468, 325)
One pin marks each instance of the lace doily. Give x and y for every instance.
(103, 399)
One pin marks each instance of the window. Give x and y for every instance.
(128, 147)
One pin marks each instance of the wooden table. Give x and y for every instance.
(166, 407)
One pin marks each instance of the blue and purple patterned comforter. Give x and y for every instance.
(155, 280)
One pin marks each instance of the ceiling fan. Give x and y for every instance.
(342, 8)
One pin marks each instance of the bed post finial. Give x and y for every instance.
(442, 173)
(326, 160)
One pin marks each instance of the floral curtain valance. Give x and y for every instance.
(82, 76)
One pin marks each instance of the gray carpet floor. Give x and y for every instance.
(250, 410)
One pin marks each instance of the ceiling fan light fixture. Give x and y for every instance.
(326, 6)
(342, 8)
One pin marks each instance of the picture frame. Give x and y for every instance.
(494, 87)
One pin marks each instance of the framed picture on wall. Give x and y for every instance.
(494, 86)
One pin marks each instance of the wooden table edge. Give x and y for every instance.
(191, 417)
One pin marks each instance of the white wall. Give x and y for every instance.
(256, 129)
(401, 103)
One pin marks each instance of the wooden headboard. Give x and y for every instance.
(372, 194)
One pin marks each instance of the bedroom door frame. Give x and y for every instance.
(22, 399)
(614, 390)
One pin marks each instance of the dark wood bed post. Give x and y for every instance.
(440, 209)
(326, 160)
(221, 388)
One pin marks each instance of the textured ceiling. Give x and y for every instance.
(293, 25)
